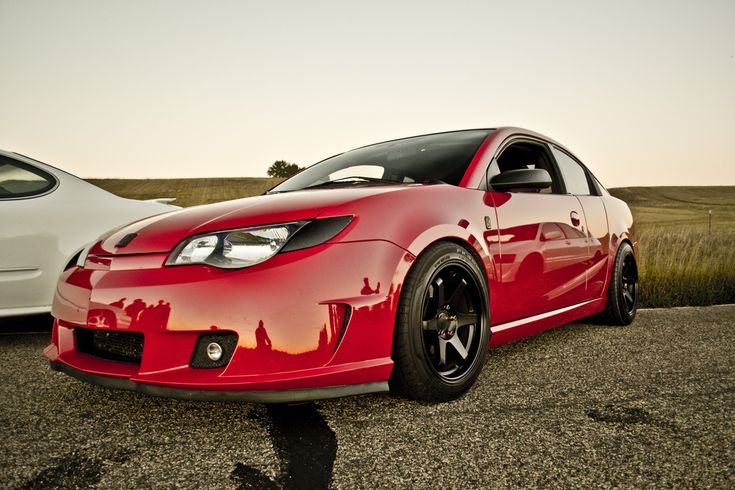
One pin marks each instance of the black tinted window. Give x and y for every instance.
(18, 179)
(575, 178)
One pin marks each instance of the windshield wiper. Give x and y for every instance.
(353, 179)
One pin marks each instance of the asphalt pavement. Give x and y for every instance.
(649, 405)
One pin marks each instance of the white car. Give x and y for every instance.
(47, 217)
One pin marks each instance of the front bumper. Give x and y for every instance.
(310, 324)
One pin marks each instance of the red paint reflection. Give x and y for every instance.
(366, 289)
(133, 311)
(136, 314)
(262, 341)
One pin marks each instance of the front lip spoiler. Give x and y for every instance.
(275, 396)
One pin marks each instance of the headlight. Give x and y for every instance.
(234, 249)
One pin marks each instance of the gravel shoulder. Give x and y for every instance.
(581, 405)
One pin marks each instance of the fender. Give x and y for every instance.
(456, 233)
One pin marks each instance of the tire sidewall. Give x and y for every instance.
(626, 317)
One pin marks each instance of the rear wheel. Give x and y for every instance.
(442, 327)
(622, 294)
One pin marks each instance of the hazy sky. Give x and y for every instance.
(642, 91)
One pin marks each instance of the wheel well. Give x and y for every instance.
(473, 253)
(475, 256)
(627, 240)
(531, 265)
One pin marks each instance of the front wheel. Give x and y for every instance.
(622, 293)
(442, 325)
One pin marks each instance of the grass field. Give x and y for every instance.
(681, 207)
(681, 263)
(188, 192)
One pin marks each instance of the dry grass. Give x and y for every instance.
(188, 192)
(686, 267)
(681, 262)
(681, 207)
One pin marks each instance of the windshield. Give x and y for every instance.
(434, 158)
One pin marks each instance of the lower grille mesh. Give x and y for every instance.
(113, 345)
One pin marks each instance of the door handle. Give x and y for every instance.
(575, 218)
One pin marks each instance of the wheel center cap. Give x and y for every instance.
(448, 325)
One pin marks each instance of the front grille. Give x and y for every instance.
(110, 344)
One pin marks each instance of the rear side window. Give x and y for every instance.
(575, 178)
(18, 179)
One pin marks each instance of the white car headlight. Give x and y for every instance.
(234, 249)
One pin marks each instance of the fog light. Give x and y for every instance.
(214, 351)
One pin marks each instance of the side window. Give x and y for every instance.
(18, 179)
(551, 231)
(525, 154)
(575, 178)
(570, 232)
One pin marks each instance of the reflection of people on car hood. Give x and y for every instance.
(156, 316)
(134, 309)
(153, 316)
(119, 303)
(366, 289)
(261, 337)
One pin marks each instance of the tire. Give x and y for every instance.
(622, 293)
(442, 325)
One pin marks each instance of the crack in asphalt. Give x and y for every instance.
(304, 444)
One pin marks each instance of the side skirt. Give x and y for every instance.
(517, 329)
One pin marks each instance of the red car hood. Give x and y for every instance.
(163, 232)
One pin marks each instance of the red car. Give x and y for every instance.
(393, 265)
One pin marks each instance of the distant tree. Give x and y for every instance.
(282, 168)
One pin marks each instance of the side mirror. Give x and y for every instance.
(521, 179)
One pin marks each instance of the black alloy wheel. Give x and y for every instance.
(442, 326)
(450, 321)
